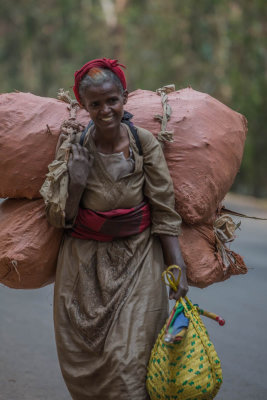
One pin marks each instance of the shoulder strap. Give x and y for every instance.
(85, 132)
(126, 120)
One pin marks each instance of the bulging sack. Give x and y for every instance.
(207, 258)
(29, 131)
(207, 147)
(203, 159)
(28, 245)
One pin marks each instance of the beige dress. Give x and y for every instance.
(110, 302)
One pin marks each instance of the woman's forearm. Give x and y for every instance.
(171, 250)
(79, 165)
(72, 204)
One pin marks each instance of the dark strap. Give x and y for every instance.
(126, 119)
(85, 132)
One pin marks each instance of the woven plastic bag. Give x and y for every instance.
(187, 370)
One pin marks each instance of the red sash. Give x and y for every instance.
(109, 225)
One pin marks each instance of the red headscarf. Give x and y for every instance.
(101, 63)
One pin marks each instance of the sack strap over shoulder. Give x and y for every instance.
(126, 119)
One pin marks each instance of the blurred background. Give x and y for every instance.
(217, 47)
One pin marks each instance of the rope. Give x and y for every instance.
(15, 266)
(164, 135)
(224, 230)
(69, 127)
(224, 210)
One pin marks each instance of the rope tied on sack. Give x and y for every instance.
(15, 266)
(64, 95)
(165, 135)
(69, 127)
(224, 230)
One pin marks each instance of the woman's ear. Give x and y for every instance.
(125, 96)
(81, 104)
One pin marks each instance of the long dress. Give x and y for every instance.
(110, 302)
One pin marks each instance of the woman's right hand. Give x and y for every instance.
(79, 164)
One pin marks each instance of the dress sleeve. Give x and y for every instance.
(55, 189)
(158, 188)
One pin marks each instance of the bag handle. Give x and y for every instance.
(174, 283)
(169, 275)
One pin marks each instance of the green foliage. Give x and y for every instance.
(218, 47)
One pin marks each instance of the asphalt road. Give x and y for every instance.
(28, 362)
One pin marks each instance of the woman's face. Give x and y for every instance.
(105, 105)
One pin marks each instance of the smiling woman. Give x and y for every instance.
(121, 229)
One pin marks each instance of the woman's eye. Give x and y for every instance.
(113, 100)
(94, 105)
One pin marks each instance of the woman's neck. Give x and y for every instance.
(109, 142)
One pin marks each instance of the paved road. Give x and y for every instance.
(28, 361)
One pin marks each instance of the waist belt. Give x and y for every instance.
(109, 225)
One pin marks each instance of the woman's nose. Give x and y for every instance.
(105, 109)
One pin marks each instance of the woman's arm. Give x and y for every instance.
(79, 165)
(173, 256)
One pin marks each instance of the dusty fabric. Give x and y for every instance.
(110, 302)
(119, 371)
(150, 178)
(28, 245)
(113, 163)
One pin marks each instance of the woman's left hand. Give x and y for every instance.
(183, 285)
(173, 256)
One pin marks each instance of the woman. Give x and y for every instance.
(110, 302)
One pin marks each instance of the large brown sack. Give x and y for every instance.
(205, 263)
(203, 159)
(207, 150)
(29, 130)
(28, 245)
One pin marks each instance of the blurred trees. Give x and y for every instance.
(218, 47)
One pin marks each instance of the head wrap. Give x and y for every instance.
(101, 63)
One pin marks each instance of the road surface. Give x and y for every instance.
(29, 369)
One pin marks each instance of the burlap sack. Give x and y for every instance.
(28, 245)
(203, 159)
(29, 130)
(208, 260)
(207, 150)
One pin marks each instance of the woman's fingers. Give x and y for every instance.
(78, 150)
(181, 292)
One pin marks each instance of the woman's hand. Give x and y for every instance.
(183, 285)
(173, 256)
(79, 165)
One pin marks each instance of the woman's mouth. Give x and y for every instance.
(106, 119)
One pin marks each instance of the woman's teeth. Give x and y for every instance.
(106, 119)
